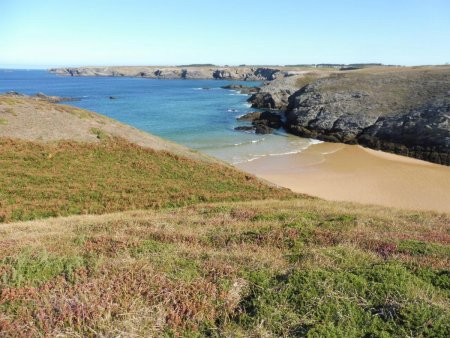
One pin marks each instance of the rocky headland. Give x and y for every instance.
(399, 110)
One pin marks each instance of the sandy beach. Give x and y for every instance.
(352, 173)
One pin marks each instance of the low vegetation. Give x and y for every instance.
(269, 268)
(391, 90)
(44, 180)
(197, 248)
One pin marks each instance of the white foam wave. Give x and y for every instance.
(237, 94)
(249, 142)
(253, 157)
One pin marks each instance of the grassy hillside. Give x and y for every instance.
(65, 178)
(188, 265)
(35, 118)
(268, 268)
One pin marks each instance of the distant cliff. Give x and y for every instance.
(197, 72)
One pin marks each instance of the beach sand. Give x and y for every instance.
(352, 173)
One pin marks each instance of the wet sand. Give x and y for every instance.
(352, 173)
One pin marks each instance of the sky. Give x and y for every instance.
(53, 33)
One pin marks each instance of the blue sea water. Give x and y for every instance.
(196, 113)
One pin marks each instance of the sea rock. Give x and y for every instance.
(272, 120)
(250, 116)
(242, 89)
(262, 122)
(244, 128)
(262, 128)
(258, 128)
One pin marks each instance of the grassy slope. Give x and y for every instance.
(255, 268)
(43, 180)
(268, 268)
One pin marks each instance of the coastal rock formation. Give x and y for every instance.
(405, 111)
(271, 119)
(195, 72)
(275, 94)
(262, 122)
(242, 89)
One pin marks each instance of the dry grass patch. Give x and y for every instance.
(278, 268)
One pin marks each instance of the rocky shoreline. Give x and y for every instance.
(403, 110)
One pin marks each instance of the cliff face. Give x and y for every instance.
(406, 111)
(275, 94)
(220, 73)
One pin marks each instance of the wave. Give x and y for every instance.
(237, 94)
(205, 88)
(248, 142)
(254, 157)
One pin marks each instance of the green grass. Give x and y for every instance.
(260, 268)
(261, 263)
(101, 135)
(45, 180)
(3, 121)
(34, 268)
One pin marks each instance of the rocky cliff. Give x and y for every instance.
(275, 94)
(404, 111)
(201, 72)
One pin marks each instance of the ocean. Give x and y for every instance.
(195, 113)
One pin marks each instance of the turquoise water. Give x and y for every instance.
(196, 113)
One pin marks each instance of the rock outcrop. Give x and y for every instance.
(405, 111)
(275, 94)
(262, 122)
(242, 89)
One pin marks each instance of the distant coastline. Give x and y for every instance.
(205, 71)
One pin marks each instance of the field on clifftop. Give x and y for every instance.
(105, 237)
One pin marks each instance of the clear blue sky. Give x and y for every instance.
(135, 32)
